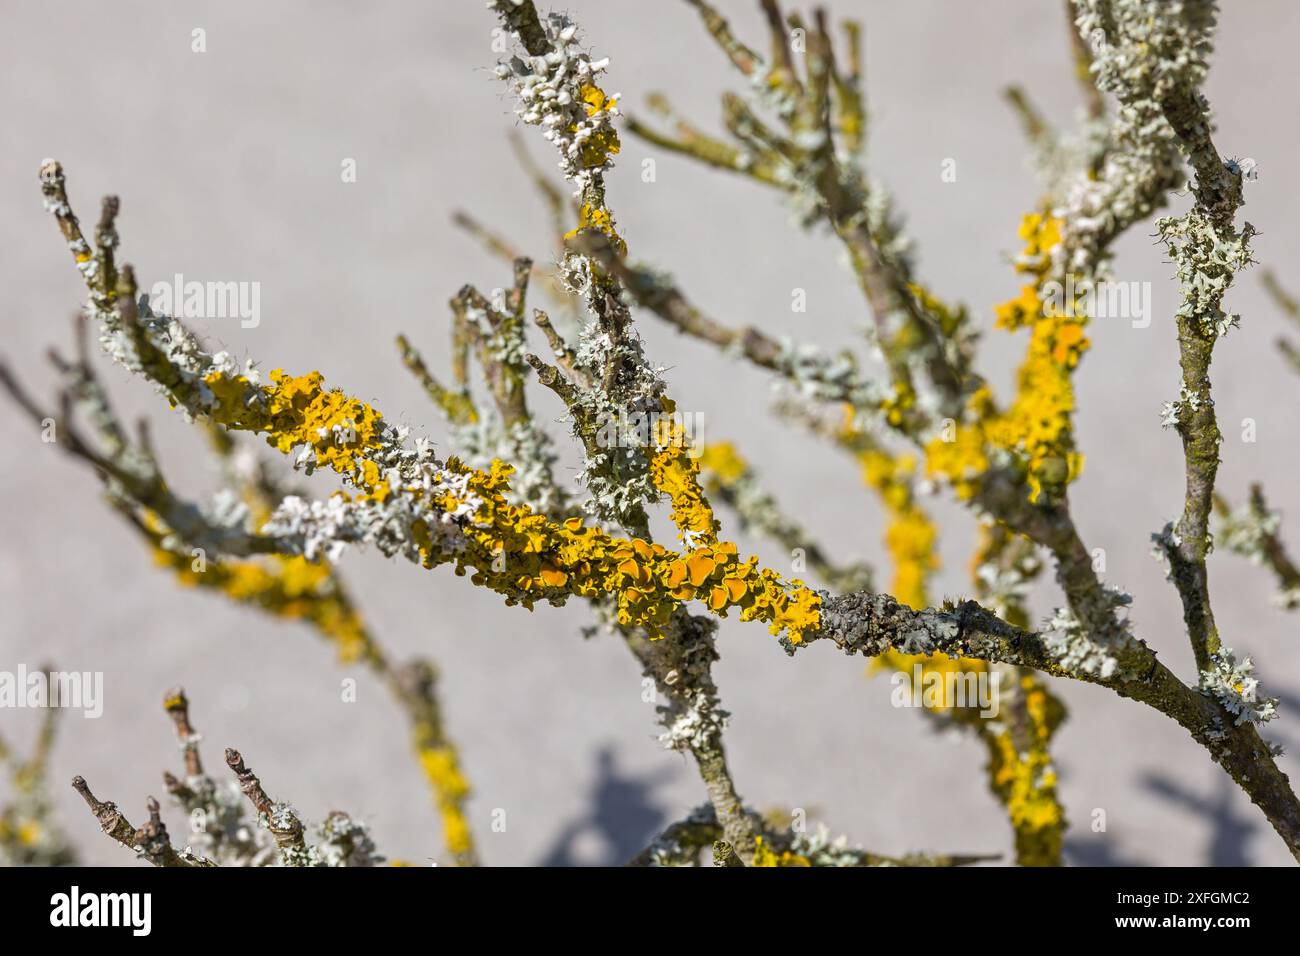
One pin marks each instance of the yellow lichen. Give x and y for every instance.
(442, 768)
(677, 474)
(720, 462)
(1036, 430)
(509, 548)
(290, 587)
(29, 833)
(603, 142)
(1024, 778)
(765, 856)
(910, 535)
(599, 219)
(911, 539)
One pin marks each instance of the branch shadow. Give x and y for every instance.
(622, 817)
(1098, 851)
(1230, 830)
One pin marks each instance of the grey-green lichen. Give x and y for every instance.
(552, 77)
(1206, 258)
(217, 827)
(682, 663)
(1245, 530)
(1233, 684)
(616, 472)
(1069, 642)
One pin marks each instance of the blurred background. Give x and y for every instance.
(228, 166)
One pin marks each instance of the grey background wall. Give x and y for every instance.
(228, 165)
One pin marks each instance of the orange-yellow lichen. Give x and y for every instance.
(299, 411)
(910, 536)
(949, 318)
(1037, 428)
(510, 549)
(595, 99)
(721, 463)
(603, 142)
(289, 587)
(677, 474)
(765, 856)
(911, 539)
(599, 219)
(1021, 774)
(442, 768)
(896, 407)
(29, 832)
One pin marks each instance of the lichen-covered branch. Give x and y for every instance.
(496, 513)
(1219, 718)
(925, 345)
(30, 833)
(729, 478)
(682, 844)
(203, 547)
(1208, 250)
(1252, 531)
(1291, 309)
(219, 833)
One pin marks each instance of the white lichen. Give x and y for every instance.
(1233, 685)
